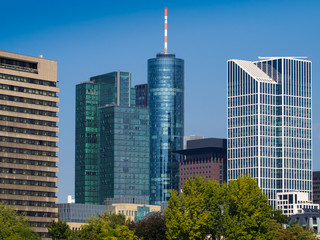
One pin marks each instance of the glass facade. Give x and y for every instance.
(86, 168)
(123, 155)
(142, 95)
(269, 124)
(79, 213)
(166, 105)
(110, 131)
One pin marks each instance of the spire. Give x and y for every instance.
(165, 30)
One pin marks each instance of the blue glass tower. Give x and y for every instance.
(166, 105)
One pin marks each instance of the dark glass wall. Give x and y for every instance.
(123, 155)
(142, 95)
(113, 141)
(166, 105)
(86, 144)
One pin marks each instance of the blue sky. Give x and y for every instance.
(94, 37)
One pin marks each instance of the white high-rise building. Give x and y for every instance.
(269, 124)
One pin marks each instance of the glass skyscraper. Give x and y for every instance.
(269, 123)
(112, 142)
(123, 155)
(166, 105)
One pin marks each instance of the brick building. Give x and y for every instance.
(204, 157)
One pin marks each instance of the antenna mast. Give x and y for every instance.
(165, 30)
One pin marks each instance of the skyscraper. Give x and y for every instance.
(269, 123)
(141, 95)
(112, 142)
(28, 133)
(166, 106)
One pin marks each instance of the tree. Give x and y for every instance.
(196, 213)
(294, 232)
(279, 217)
(246, 212)
(237, 210)
(59, 230)
(117, 220)
(14, 226)
(152, 227)
(101, 228)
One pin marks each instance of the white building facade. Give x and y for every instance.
(294, 203)
(269, 124)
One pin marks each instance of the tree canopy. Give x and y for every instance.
(152, 227)
(235, 211)
(14, 226)
(105, 227)
(59, 230)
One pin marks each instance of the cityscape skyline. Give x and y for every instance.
(205, 56)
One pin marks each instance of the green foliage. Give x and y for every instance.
(150, 228)
(14, 226)
(102, 227)
(117, 220)
(294, 232)
(196, 213)
(246, 211)
(279, 217)
(237, 211)
(59, 230)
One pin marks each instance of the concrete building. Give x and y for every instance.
(308, 218)
(28, 137)
(294, 202)
(190, 137)
(132, 212)
(316, 186)
(269, 124)
(112, 142)
(204, 157)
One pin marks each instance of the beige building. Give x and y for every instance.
(28, 137)
(130, 210)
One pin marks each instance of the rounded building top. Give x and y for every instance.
(166, 55)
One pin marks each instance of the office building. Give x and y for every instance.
(133, 212)
(204, 157)
(112, 142)
(294, 202)
(269, 124)
(308, 219)
(123, 155)
(79, 213)
(141, 95)
(166, 105)
(190, 137)
(28, 133)
(316, 186)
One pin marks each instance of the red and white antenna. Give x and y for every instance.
(165, 30)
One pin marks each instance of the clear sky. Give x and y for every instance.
(88, 38)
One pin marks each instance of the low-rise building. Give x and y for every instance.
(204, 157)
(133, 212)
(316, 186)
(308, 218)
(294, 202)
(76, 213)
